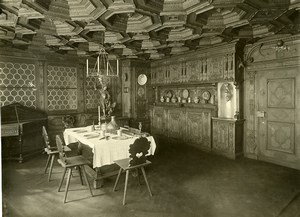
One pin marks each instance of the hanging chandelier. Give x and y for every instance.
(103, 66)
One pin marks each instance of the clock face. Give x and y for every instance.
(141, 92)
(142, 79)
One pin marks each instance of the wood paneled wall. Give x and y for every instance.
(185, 125)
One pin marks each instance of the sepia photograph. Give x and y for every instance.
(150, 108)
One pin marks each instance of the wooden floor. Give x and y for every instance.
(185, 182)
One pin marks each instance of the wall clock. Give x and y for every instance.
(142, 79)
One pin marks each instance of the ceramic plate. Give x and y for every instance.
(206, 95)
(142, 79)
(120, 137)
(79, 131)
(185, 93)
(91, 135)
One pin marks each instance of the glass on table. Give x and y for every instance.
(140, 127)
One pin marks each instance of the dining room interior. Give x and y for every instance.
(150, 108)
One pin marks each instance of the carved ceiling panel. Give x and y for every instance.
(148, 29)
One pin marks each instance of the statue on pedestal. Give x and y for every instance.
(105, 101)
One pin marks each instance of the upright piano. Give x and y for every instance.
(21, 131)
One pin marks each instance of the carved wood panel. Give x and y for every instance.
(281, 93)
(198, 129)
(220, 136)
(176, 123)
(226, 138)
(281, 137)
(194, 127)
(158, 121)
(196, 67)
(206, 117)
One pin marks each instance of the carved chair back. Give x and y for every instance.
(61, 152)
(46, 137)
(138, 151)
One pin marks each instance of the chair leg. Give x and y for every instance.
(47, 164)
(138, 176)
(86, 179)
(62, 179)
(68, 184)
(51, 167)
(117, 180)
(125, 189)
(144, 174)
(80, 175)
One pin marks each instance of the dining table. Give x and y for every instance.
(105, 148)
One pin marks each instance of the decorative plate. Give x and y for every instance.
(142, 79)
(185, 93)
(206, 95)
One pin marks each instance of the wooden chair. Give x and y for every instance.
(137, 160)
(51, 151)
(69, 163)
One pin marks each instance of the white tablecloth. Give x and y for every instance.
(105, 151)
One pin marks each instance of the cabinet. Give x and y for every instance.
(198, 128)
(227, 137)
(190, 125)
(198, 99)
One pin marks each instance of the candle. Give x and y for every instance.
(98, 65)
(107, 67)
(99, 115)
(87, 67)
(117, 67)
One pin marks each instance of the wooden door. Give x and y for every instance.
(278, 116)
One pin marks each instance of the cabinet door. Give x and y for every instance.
(220, 136)
(198, 129)
(194, 128)
(176, 123)
(158, 121)
(206, 129)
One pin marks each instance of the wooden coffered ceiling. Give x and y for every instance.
(148, 29)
